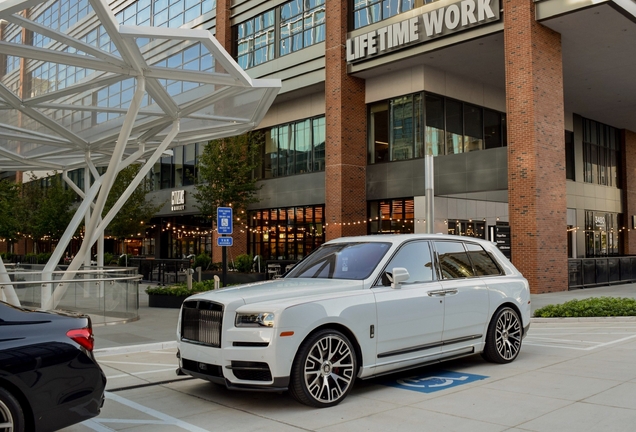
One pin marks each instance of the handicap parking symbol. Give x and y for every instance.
(434, 381)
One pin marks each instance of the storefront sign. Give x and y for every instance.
(501, 235)
(425, 26)
(178, 200)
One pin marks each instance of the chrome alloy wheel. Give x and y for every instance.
(508, 335)
(329, 369)
(6, 418)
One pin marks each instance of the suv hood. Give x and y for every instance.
(279, 289)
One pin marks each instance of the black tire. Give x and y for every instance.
(11, 414)
(503, 340)
(324, 369)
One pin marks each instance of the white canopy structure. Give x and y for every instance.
(85, 91)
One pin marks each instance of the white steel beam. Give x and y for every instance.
(107, 182)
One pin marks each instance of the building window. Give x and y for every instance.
(395, 216)
(467, 228)
(366, 12)
(255, 40)
(569, 155)
(302, 24)
(286, 233)
(408, 126)
(294, 148)
(601, 234)
(601, 153)
(178, 169)
(164, 13)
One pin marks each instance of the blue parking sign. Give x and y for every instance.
(224, 241)
(224, 220)
(434, 381)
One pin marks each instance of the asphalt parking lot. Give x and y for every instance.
(569, 376)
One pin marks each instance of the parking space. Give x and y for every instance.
(569, 376)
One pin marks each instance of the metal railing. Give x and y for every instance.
(160, 270)
(107, 295)
(591, 272)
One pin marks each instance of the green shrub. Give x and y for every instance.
(203, 261)
(43, 257)
(109, 258)
(243, 263)
(217, 266)
(591, 307)
(182, 289)
(6, 256)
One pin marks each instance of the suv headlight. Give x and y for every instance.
(262, 319)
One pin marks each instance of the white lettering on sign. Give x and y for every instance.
(423, 27)
(177, 200)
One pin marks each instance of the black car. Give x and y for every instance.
(49, 378)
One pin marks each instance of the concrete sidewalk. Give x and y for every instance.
(156, 328)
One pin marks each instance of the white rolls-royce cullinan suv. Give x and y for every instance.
(357, 307)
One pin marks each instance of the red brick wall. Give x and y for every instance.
(223, 28)
(536, 148)
(345, 166)
(628, 150)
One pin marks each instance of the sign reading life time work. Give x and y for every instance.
(426, 25)
(224, 220)
(434, 381)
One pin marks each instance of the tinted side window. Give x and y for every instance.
(453, 260)
(482, 262)
(416, 258)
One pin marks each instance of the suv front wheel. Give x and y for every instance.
(324, 369)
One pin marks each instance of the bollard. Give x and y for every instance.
(199, 273)
(189, 274)
(217, 282)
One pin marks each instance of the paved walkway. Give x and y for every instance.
(156, 327)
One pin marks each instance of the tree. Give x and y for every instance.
(226, 170)
(44, 209)
(135, 211)
(9, 197)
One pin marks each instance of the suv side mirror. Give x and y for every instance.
(400, 274)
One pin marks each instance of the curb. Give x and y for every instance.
(592, 319)
(157, 346)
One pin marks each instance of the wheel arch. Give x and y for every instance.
(23, 400)
(511, 305)
(342, 329)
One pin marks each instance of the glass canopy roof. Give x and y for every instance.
(69, 72)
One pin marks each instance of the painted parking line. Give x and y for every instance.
(98, 424)
(575, 336)
(434, 381)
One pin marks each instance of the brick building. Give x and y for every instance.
(529, 108)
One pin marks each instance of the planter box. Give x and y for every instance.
(165, 301)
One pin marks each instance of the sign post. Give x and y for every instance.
(224, 227)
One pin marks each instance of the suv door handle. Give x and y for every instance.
(437, 293)
(450, 292)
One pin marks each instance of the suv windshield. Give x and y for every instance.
(341, 261)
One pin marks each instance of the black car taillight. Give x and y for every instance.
(83, 336)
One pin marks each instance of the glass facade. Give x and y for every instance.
(467, 228)
(601, 153)
(395, 216)
(367, 12)
(601, 234)
(164, 13)
(178, 169)
(406, 126)
(302, 24)
(287, 28)
(294, 148)
(285, 233)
